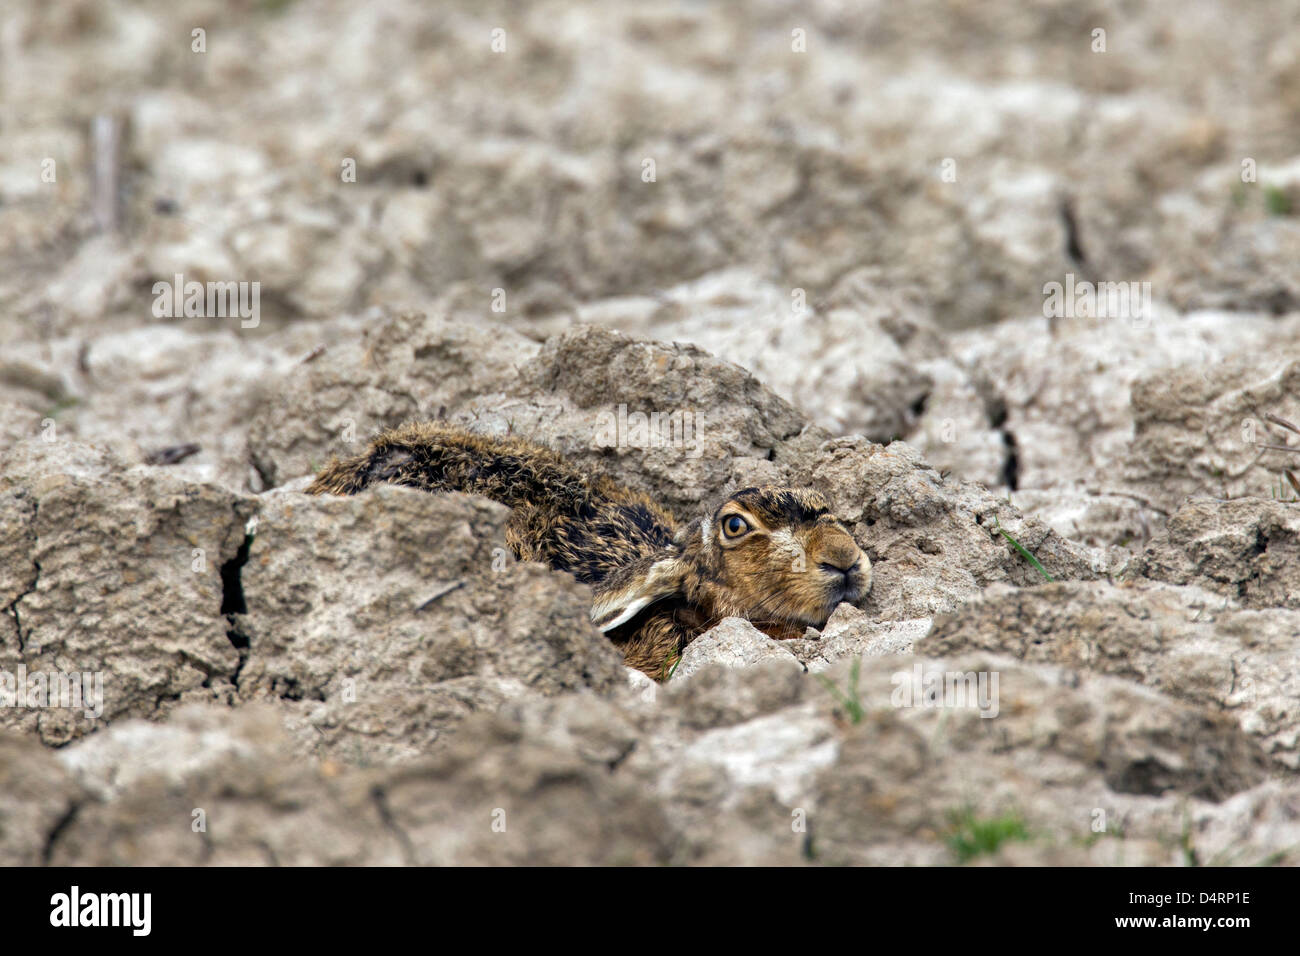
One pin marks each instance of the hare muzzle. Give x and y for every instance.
(842, 565)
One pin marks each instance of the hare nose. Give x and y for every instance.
(843, 560)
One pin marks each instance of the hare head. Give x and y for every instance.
(775, 556)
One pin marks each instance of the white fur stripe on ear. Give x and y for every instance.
(662, 580)
(629, 612)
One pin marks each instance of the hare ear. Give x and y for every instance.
(632, 592)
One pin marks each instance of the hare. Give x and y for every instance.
(775, 556)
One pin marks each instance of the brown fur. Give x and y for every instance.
(658, 586)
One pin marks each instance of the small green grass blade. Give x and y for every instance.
(1023, 551)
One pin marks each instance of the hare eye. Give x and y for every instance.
(735, 526)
